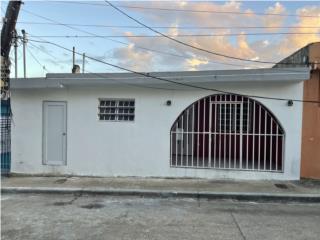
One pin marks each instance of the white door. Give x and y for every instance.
(54, 133)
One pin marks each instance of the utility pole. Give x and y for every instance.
(15, 54)
(73, 56)
(8, 27)
(24, 42)
(7, 33)
(83, 61)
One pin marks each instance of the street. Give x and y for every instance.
(50, 216)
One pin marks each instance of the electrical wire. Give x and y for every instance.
(187, 44)
(195, 11)
(170, 27)
(131, 84)
(219, 12)
(34, 57)
(148, 75)
(135, 45)
(100, 75)
(49, 54)
(177, 35)
(175, 55)
(39, 49)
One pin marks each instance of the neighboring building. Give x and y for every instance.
(5, 136)
(310, 155)
(125, 124)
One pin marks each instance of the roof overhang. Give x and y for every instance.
(265, 75)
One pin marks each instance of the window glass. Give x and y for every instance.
(116, 110)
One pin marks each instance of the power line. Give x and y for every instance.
(175, 82)
(34, 57)
(219, 12)
(49, 54)
(97, 74)
(174, 55)
(45, 41)
(127, 44)
(169, 27)
(100, 75)
(195, 11)
(177, 35)
(131, 84)
(162, 79)
(187, 44)
(53, 58)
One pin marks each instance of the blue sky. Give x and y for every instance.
(266, 47)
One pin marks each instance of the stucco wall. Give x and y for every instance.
(310, 156)
(142, 147)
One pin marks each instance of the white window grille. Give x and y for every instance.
(230, 114)
(227, 132)
(116, 109)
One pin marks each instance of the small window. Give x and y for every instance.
(116, 110)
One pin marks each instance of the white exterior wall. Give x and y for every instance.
(139, 148)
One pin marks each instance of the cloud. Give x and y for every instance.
(171, 56)
(291, 43)
(219, 17)
(273, 20)
(244, 47)
(238, 46)
(134, 59)
(275, 50)
(194, 63)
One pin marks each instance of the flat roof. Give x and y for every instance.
(58, 80)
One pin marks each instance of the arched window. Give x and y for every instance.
(227, 132)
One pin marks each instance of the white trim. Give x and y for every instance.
(275, 75)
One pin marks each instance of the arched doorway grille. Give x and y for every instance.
(227, 132)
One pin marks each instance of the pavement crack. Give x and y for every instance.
(238, 226)
(63, 203)
(76, 196)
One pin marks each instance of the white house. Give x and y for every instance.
(124, 124)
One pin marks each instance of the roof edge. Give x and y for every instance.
(275, 75)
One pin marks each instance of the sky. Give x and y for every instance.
(134, 52)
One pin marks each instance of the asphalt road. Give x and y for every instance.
(27, 216)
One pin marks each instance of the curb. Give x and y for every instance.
(239, 196)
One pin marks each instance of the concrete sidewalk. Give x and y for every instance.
(300, 191)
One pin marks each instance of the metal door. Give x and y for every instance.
(54, 133)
